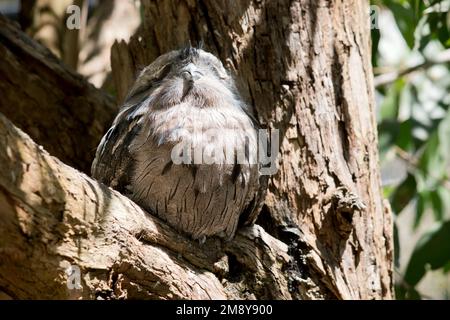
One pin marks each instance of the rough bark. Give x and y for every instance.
(305, 67)
(58, 108)
(52, 217)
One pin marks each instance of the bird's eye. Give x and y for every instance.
(163, 72)
(219, 73)
(145, 83)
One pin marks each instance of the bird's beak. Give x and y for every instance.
(191, 73)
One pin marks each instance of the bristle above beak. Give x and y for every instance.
(189, 52)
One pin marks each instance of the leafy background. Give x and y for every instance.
(411, 58)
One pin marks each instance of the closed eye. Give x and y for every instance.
(137, 93)
(163, 72)
(219, 73)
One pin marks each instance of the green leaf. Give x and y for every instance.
(437, 205)
(406, 19)
(387, 133)
(404, 193)
(391, 102)
(432, 250)
(423, 199)
(438, 27)
(405, 139)
(430, 158)
(444, 194)
(406, 293)
(444, 137)
(446, 268)
(435, 159)
(396, 246)
(388, 190)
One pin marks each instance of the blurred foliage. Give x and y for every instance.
(414, 124)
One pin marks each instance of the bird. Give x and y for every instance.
(184, 147)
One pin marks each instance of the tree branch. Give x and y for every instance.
(57, 107)
(52, 217)
(390, 77)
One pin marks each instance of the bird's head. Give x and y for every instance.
(188, 75)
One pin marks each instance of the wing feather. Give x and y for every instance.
(113, 163)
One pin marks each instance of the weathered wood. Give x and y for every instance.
(52, 217)
(305, 66)
(57, 107)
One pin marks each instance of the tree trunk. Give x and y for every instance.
(305, 66)
(56, 106)
(53, 217)
(326, 232)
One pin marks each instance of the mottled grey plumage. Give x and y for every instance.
(178, 97)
